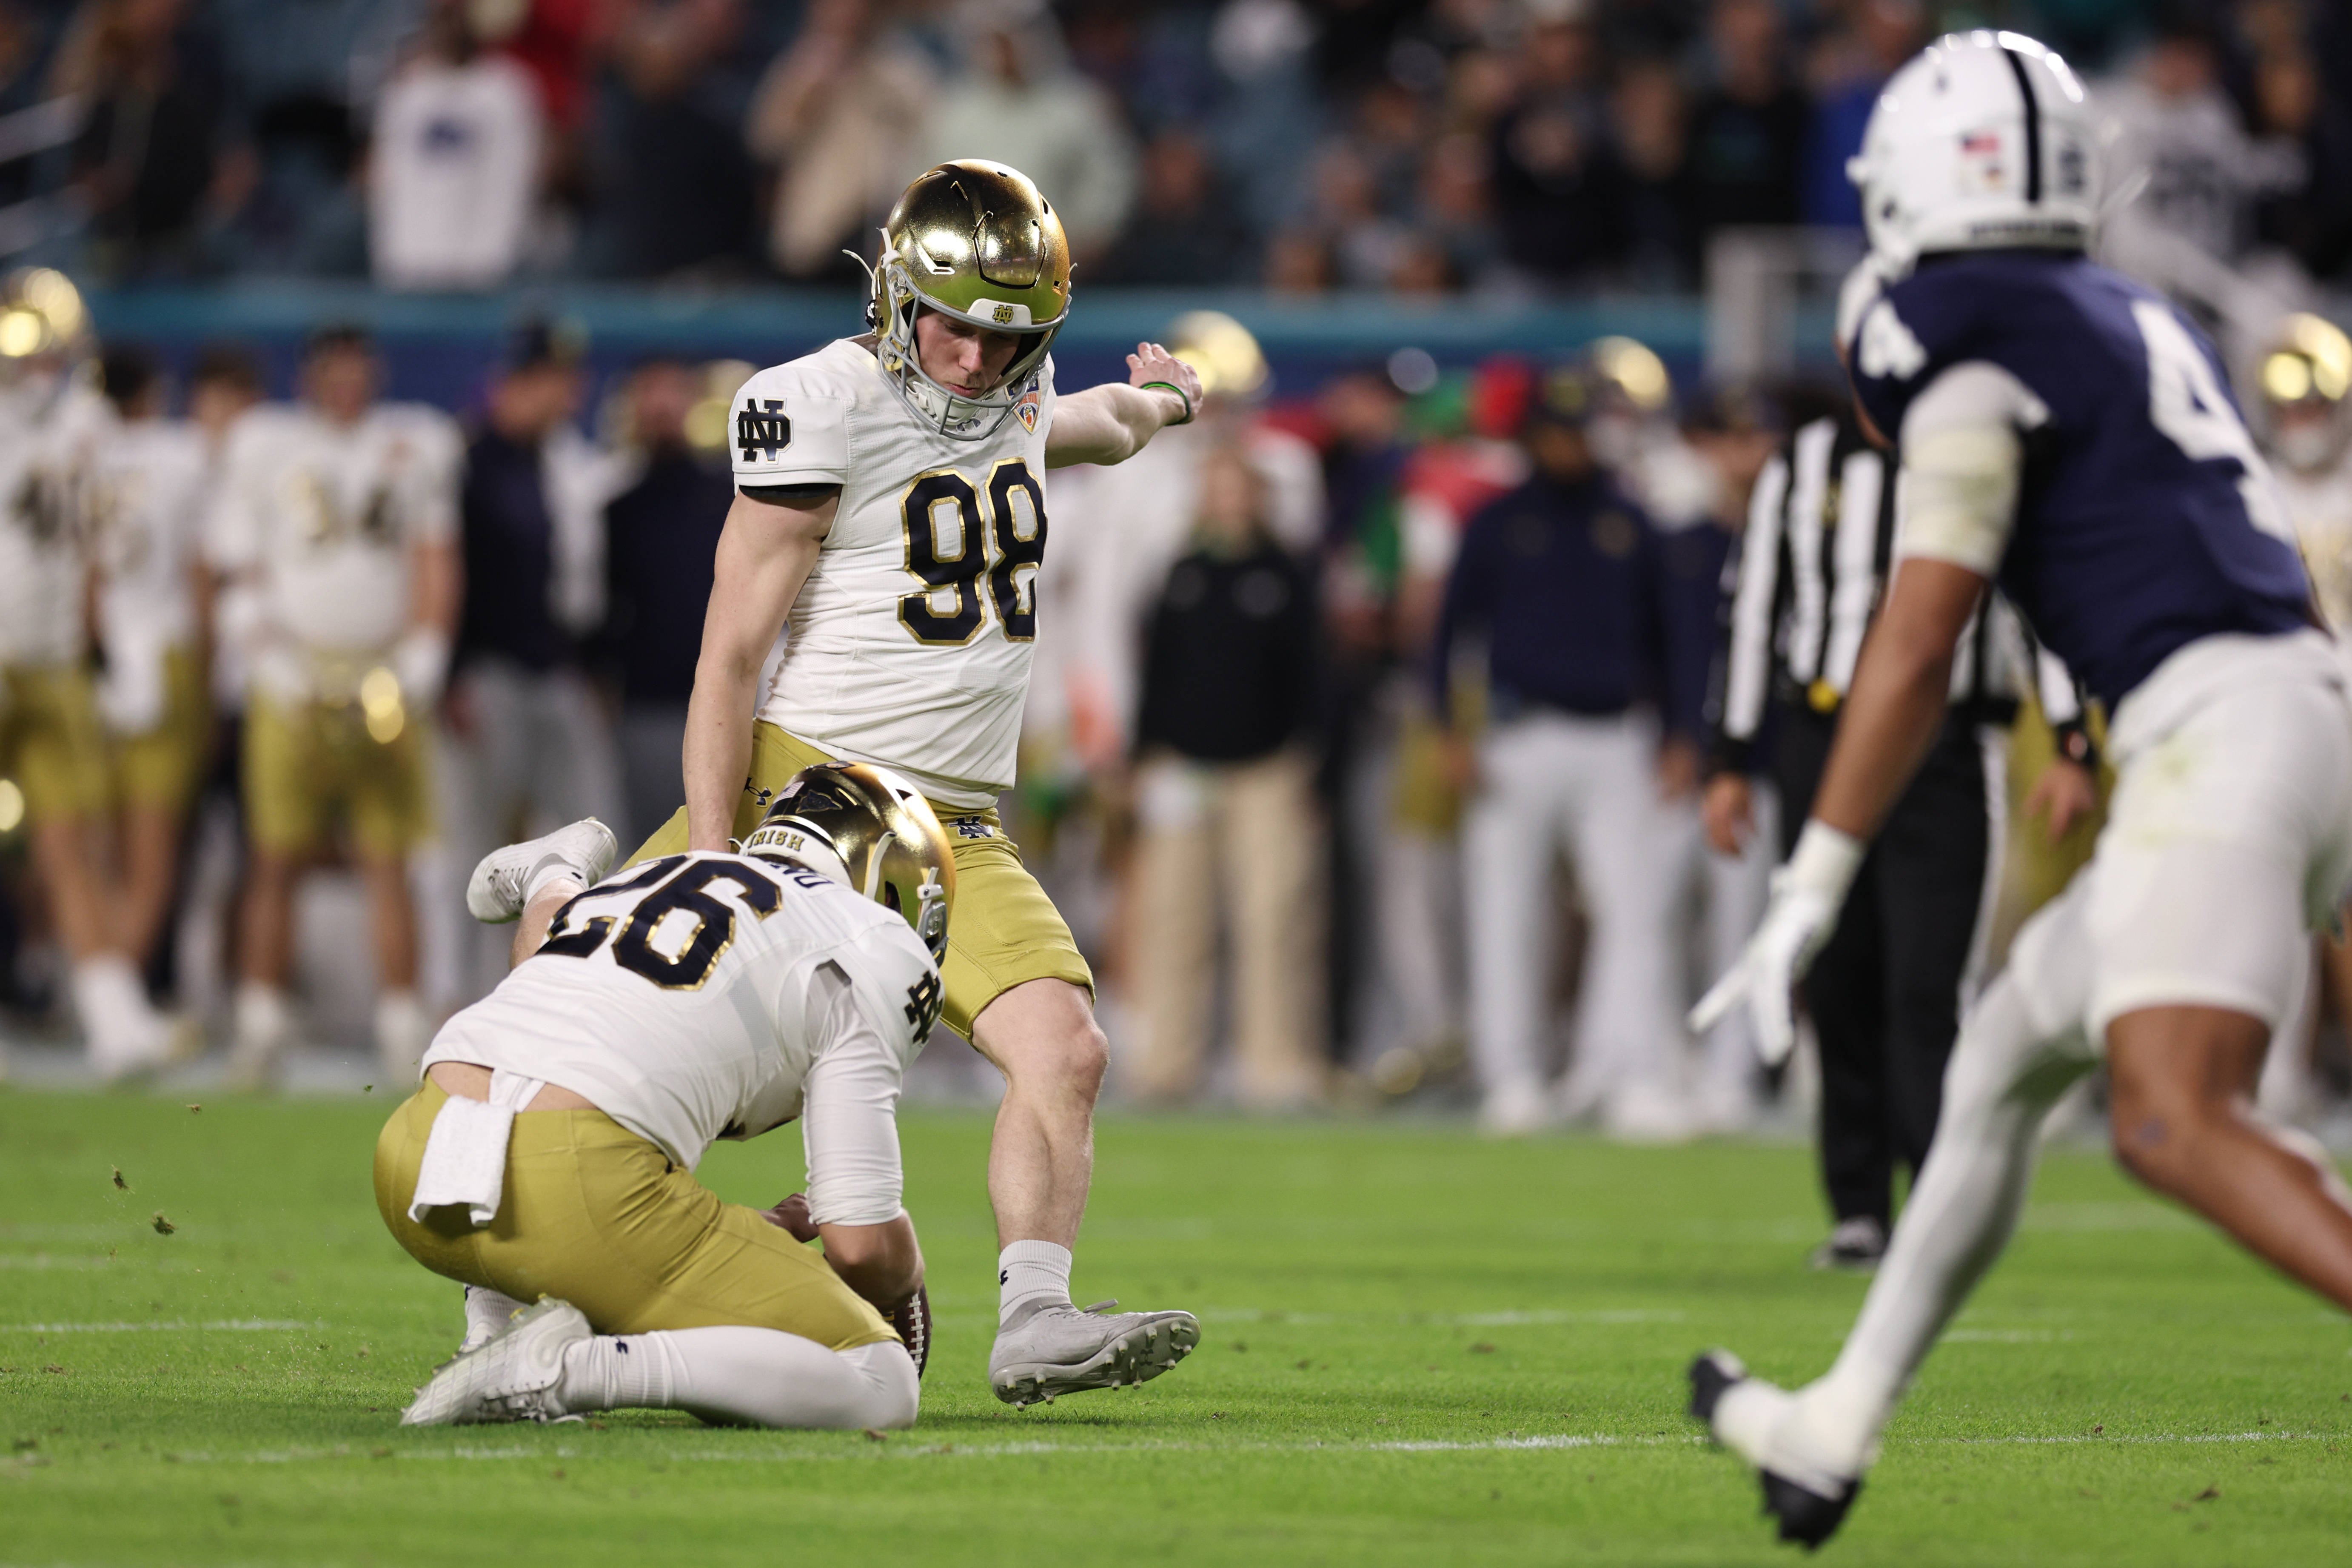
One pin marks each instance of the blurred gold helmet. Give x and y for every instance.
(1224, 352)
(2305, 377)
(973, 240)
(42, 322)
(869, 828)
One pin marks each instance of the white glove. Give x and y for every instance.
(420, 660)
(1807, 894)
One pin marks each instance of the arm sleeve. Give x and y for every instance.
(849, 1128)
(781, 434)
(1963, 458)
(1754, 570)
(434, 482)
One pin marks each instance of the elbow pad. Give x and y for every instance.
(1958, 497)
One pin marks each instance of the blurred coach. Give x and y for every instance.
(1586, 651)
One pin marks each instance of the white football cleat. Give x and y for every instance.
(501, 885)
(1058, 1349)
(514, 1377)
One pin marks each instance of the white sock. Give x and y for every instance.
(551, 872)
(122, 1025)
(260, 1019)
(1031, 1272)
(2005, 1076)
(734, 1375)
(487, 1313)
(401, 1036)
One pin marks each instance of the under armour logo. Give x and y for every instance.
(971, 827)
(764, 428)
(759, 797)
(1005, 1277)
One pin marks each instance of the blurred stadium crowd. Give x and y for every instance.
(1507, 147)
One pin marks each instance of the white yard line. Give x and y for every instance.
(900, 1447)
(227, 1325)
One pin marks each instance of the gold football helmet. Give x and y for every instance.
(43, 327)
(867, 827)
(973, 240)
(2304, 377)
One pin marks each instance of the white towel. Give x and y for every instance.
(466, 1153)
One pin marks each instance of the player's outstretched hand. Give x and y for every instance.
(1150, 363)
(1807, 894)
(791, 1216)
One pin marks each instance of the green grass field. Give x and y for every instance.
(1419, 1347)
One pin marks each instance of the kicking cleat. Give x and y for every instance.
(1806, 1517)
(501, 885)
(514, 1377)
(1058, 1349)
(1808, 1511)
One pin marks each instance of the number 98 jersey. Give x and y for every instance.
(2145, 520)
(911, 642)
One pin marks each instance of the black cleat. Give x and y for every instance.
(1806, 1517)
(1710, 1374)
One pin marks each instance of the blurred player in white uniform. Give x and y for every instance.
(892, 502)
(699, 996)
(2068, 434)
(2303, 411)
(51, 743)
(339, 514)
(144, 491)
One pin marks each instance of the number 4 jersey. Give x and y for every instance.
(910, 644)
(2145, 518)
(705, 996)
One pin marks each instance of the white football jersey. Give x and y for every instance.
(44, 546)
(704, 996)
(910, 643)
(325, 515)
(2320, 505)
(145, 490)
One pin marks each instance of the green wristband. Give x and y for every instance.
(1181, 395)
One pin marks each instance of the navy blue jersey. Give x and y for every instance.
(2145, 520)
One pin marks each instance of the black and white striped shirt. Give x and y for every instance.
(1807, 578)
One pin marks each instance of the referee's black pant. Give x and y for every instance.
(1885, 993)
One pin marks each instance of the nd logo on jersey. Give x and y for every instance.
(762, 432)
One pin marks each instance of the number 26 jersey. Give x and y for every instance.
(910, 644)
(688, 999)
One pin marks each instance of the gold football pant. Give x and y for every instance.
(306, 763)
(51, 743)
(596, 1216)
(1003, 931)
(163, 767)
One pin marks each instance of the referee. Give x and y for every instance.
(1886, 994)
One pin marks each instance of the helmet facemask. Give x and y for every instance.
(974, 241)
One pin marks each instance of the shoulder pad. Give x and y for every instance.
(790, 425)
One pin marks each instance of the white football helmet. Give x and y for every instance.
(1985, 140)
